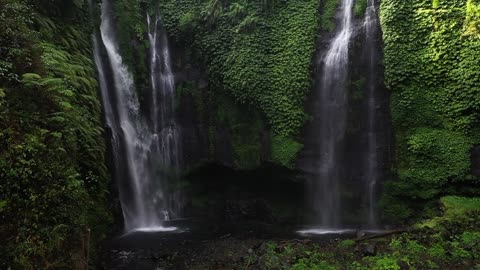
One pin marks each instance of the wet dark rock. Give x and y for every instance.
(370, 250)
(403, 265)
(258, 209)
(475, 160)
(361, 234)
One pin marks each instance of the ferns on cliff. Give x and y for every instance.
(51, 147)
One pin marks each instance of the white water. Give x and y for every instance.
(322, 231)
(333, 116)
(166, 134)
(154, 229)
(164, 127)
(370, 26)
(137, 148)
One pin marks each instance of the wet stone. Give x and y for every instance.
(370, 250)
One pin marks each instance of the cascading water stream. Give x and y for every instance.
(345, 168)
(166, 135)
(137, 148)
(371, 26)
(332, 118)
(129, 126)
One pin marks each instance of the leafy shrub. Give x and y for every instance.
(261, 58)
(431, 66)
(437, 251)
(284, 150)
(360, 7)
(383, 263)
(52, 164)
(306, 264)
(345, 244)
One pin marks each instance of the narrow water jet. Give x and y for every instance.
(144, 155)
(165, 130)
(331, 114)
(371, 28)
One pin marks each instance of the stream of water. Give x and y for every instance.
(371, 26)
(332, 115)
(145, 149)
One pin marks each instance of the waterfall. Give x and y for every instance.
(138, 149)
(371, 26)
(347, 141)
(166, 132)
(332, 117)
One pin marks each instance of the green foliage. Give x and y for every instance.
(384, 263)
(453, 207)
(472, 21)
(54, 179)
(346, 244)
(261, 58)
(327, 22)
(427, 249)
(284, 150)
(471, 238)
(259, 53)
(308, 264)
(432, 62)
(295, 257)
(132, 39)
(394, 208)
(437, 251)
(359, 8)
(433, 157)
(245, 127)
(417, 249)
(246, 136)
(212, 11)
(15, 37)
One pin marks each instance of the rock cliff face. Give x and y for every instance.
(215, 128)
(226, 184)
(243, 99)
(246, 74)
(245, 77)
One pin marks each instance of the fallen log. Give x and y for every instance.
(382, 234)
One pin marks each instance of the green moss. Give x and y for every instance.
(245, 127)
(345, 244)
(437, 251)
(434, 157)
(133, 44)
(435, 84)
(52, 163)
(259, 54)
(394, 209)
(327, 22)
(284, 150)
(471, 238)
(359, 8)
(305, 264)
(265, 66)
(416, 249)
(383, 263)
(454, 207)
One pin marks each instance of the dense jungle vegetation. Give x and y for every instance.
(56, 197)
(54, 180)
